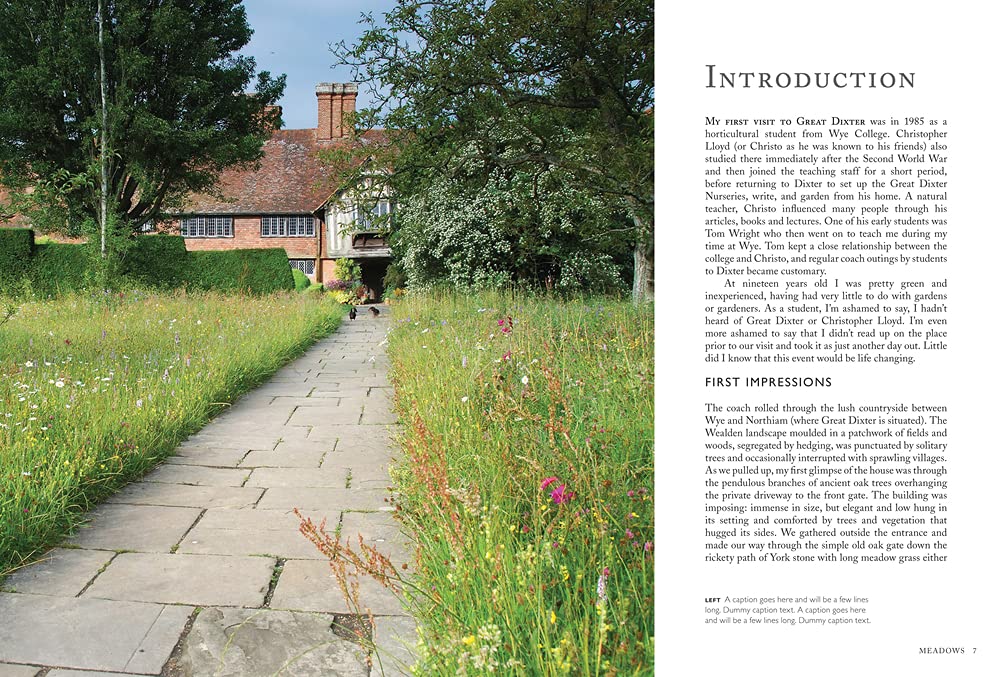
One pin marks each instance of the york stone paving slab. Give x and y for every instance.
(253, 532)
(309, 457)
(146, 528)
(298, 477)
(198, 580)
(94, 634)
(262, 643)
(186, 495)
(60, 572)
(218, 458)
(11, 670)
(286, 498)
(198, 475)
(395, 638)
(322, 416)
(310, 585)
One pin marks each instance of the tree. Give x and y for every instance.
(170, 115)
(520, 86)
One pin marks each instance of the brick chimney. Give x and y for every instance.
(335, 102)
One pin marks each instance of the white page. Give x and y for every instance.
(951, 49)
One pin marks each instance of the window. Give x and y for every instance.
(307, 266)
(207, 226)
(364, 219)
(287, 226)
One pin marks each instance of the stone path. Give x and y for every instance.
(200, 569)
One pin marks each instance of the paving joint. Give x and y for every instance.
(99, 572)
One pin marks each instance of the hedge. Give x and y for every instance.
(16, 247)
(157, 261)
(57, 268)
(154, 260)
(256, 271)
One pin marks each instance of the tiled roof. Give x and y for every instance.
(291, 179)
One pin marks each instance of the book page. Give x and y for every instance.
(826, 456)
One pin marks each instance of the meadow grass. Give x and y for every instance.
(528, 481)
(94, 390)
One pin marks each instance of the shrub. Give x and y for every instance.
(395, 277)
(58, 268)
(16, 246)
(157, 261)
(257, 271)
(301, 280)
(347, 269)
(338, 285)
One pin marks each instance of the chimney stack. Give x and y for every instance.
(335, 103)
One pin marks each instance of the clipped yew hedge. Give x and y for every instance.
(157, 261)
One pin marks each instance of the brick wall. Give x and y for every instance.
(246, 235)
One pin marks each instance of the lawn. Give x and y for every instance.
(95, 389)
(528, 482)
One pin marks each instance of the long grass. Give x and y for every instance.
(528, 482)
(94, 390)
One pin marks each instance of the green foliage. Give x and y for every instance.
(153, 261)
(539, 104)
(395, 277)
(111, 389)
(347, 269)
(16, 246)
(177, 113)
(158, 261)
(527, 482)
(58, 269)
(301, 280)
(254, 271)
(478, 232)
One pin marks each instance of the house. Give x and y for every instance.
(293, 200)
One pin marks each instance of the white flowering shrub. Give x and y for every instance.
(516, 226)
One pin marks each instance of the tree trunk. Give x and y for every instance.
(104, 133)
(642, 280)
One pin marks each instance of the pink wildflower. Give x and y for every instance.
(549, 480)
(560, 495)
(506, 356)
(629, 534)
(648, 547)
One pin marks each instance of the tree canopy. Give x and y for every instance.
(177, 108)
(509, 111)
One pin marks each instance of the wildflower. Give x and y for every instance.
(60, 383)
(648, 547)
(29, 363)
(524, 379)
(602, 591)
(549, 480)
(552, 617)
(469, 640)
(560, 495)
(138, 403)
(506, 356)
(465, 399)
(629, 534)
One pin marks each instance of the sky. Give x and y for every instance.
(294, 37)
